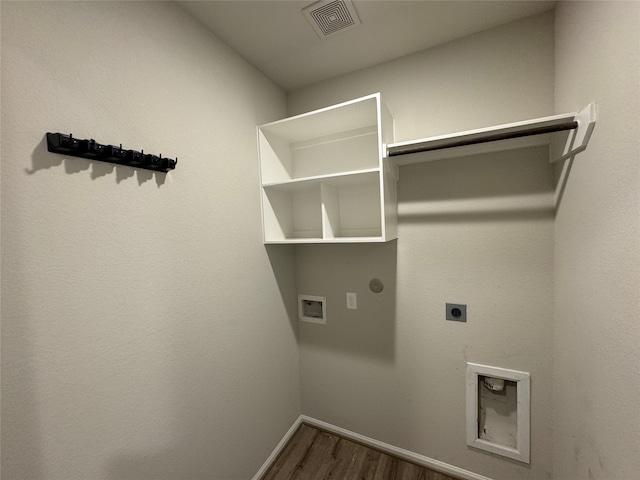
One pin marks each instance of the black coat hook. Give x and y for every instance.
(92, 150)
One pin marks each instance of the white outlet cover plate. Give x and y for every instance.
(352, 301)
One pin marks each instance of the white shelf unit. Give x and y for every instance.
(323, 178)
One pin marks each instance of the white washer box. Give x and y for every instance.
(312, 309)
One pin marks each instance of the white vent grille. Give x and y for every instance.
(328, 17)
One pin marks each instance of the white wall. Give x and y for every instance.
(144, 334)
(475, 230)
(597, 248)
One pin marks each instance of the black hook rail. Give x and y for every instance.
(92, 150)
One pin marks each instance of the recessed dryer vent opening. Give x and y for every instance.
(498, 411)
(498, 406)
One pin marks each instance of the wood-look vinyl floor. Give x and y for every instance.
(313, 454)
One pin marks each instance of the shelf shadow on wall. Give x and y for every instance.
(474, 216)
(510, 186)
(332, 271)
(281, 258)
(42, 159)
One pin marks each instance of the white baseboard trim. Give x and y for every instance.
(276, 451)
(369, 442)
(395, 451)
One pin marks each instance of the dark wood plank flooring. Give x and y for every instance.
(313, 454)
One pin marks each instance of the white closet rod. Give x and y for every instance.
(484, 137)
(581, 123)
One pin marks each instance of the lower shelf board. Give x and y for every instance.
(312, 453)
(326, 240)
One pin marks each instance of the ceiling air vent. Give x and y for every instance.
(328, 17)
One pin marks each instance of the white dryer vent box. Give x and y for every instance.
(498, 411)
(329, 17)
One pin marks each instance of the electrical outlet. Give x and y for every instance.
(456, 312)
(352, 301)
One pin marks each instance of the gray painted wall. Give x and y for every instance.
(129, 348)
(477, 230)
(597, 248)
(144, 334)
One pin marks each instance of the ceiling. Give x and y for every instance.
(276, 38)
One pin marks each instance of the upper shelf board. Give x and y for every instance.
(336, 119)
(530, 133)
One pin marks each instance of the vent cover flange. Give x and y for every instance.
(328, 17)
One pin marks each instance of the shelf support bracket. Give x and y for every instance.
(577, 141)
